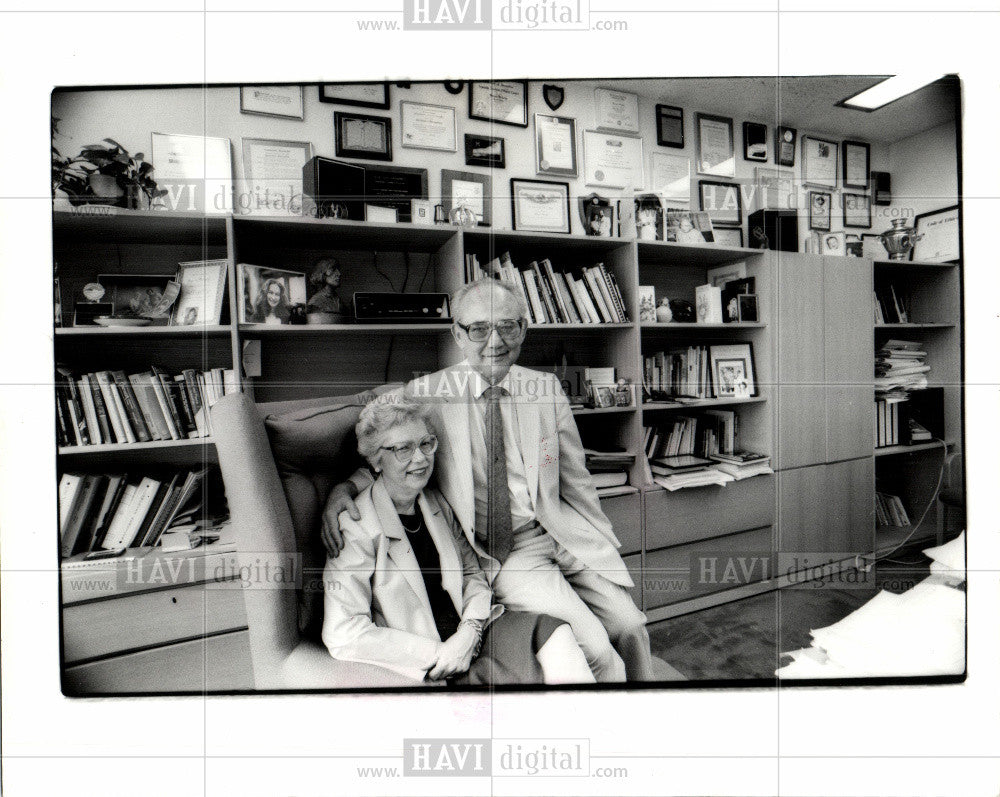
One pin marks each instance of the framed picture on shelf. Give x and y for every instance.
(360, 136)
(689, 227)
(670, 176)
(728, 236)
(501, 101)
(272, 168)
(940, 241)
(362, 95)
(597, 215)
(555, 145)
(649, 217)
(283, 101)
(428, 126)
(470, 189)
(747, 307)
(485, 151)
(721, 201)
(267, 295)
(201, 165)
(539, 205)
(716, 153)
(202, 288)
(755, 142)
(647, 303)
(819, 210)
(819, 162)
(784, 145)
(134, 296)
(731, 291)
(720, 275)
(732, 370)
(670, 126)
(857, 163)
(857, 211)
(617, 111)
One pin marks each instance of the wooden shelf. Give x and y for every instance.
(911, 326)
(601, 410)
(688, 325)
(498, 240)
(348, 234)
(579, 327)
(215, 330)
(668, 253)
(912, 264)
(888, 538)
(268, 330)
(155, 451)
(118, 225)
(700, 403)
(888, 451)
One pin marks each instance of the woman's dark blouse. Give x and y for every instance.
(445, 617)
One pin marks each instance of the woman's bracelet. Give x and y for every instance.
(477, 629)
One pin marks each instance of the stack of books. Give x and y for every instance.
(900, 367)
(742, 464)
(889, 510)
(677, 472)
(609, 471)
(113, 511)
(112, 407)
(587, 296)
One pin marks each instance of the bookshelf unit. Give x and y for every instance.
(813, 357)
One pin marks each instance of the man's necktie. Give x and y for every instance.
(500, 536)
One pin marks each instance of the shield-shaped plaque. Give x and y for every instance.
(553, 95)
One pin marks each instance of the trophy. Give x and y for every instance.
(899, 240)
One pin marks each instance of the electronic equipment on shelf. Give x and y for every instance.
(401, 307)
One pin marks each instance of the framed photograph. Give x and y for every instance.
(857, 164)
(272, 171)
(832, 243)
(857, 211)
(940, 242)
(647, 303)
(784, 145)
(286, 102)
(854, 246)
(728, 236)
(649, 217)
(722, 201)
(502, 101)
(716, 155)
(747, 306)
(731, 291)
(597, 214)
(468, 188)
(555, 145)
(267, 295)
(360, 136)
(612, 161)
(616, 110)
(687, 227)
(485, 151)
(819, 162)
(196, 171)
(363, 95)
(428, 126)
(775, 189)
(539, 206)
(720, 275)
(140, 295)
(602, 395)
(202, 288)
(820, 203)
(755, 141)
(670, 176)
(670, 126)
(732, 369)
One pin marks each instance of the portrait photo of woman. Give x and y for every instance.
(268, 294)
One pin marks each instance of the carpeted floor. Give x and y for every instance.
(744, 639)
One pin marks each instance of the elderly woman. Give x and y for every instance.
(407, 592)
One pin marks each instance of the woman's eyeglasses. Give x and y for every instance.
(508, 329)
(405, 452)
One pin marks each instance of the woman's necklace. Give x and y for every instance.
(415, 528)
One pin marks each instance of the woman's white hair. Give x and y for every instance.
(382, 414)
(487, 285)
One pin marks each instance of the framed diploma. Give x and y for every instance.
(819, 210)
(670, 126)
(539, 205)
(200, 300)
(857, 163)
(940, 241)
(555, 145)
(364, 95)
(857, 211)
(784, 145)
(272, 172)
(428, 126)
(612, 161)
(196, 171)
(359, 136)
(502, 101)
(284, 101)
(729, 236)
(616, 110)
(819, 162)
(475, 191)
(670, 176)
(722, 202)
(716, 154)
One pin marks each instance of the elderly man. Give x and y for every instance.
(512, 468)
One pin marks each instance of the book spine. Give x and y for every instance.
(100, 408)
(143, 399)
(553, 281)
(189, 422)
(206, 400)
(567, 295)
(93, 428)
(108, 392)
(194, 399)
(609, 291)
(108, 513)
(591, 276)
(169, 391)
(545, 293)
(161, 400)
(132, 409)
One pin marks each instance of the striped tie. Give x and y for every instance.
(500, 537)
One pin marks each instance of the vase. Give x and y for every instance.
(899, 240)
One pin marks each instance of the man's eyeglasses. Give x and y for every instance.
(405, 453)
(508, 329)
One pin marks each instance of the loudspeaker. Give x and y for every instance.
(338, 188)
(774, 229)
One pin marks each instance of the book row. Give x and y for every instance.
(589, 296)
(889, 510)
(890, 307)
(112, 407)
(114, 511)
(711, 432)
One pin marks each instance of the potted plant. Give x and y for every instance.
(70, 176)
(119, 174)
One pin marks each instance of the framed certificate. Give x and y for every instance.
(428, 126)
(364, 95)
(721, 201)
(857, 211)
(200, 300)
(616, 110)
(359, 136)
(612, 161)
(819, 162)
(284, 101)
(857, 164)
(670, 126)
(272, 172)
(502, 101)
(555, 145)
(475, 191)
(784, 145)
(196, 171)
(819, 210)
(716, 154)
(670, 176)
(940, 241)
(539, 205)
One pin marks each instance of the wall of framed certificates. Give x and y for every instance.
(597, 140)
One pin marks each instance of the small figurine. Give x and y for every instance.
(325, 280)
(663, 313)
(623, 394)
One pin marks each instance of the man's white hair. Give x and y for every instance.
(486, 287)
